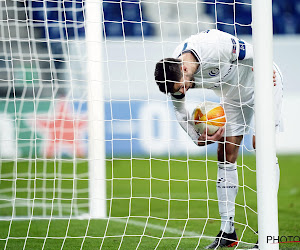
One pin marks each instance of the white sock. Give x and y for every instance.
(227, 188)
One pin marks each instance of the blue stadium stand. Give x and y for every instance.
(120, 18)
(286, 16)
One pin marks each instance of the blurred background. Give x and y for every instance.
(43, 71)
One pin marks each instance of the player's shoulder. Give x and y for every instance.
(202, 41)
(193, 42)
(211, 33)
(204, 35)
(182, 47)
(210, 37)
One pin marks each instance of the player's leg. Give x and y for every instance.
(227, 181)
(227, 189)
(239, 118)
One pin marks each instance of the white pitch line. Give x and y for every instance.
(158, 227)
(84, 216)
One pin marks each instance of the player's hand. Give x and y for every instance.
(205, 139)
(274, 77)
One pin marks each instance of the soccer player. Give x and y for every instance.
(223, 63)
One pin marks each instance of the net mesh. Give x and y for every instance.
(161, 188)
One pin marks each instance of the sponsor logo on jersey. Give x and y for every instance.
(214, 72)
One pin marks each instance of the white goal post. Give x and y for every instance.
(97, 173)
(267, 205)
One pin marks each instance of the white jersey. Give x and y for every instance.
(225, 64)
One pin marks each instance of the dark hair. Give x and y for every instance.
(167, 72)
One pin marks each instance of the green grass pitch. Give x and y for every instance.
(151, 203)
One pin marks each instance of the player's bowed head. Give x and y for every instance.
(175, 75)
(169, 75)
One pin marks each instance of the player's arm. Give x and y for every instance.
(236, 49)
(182, 116)
(205, 139)
(241, 50)
(245, 50)
(231, 49)
(185, 122)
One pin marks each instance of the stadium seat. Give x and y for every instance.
(285, 15)
(113, 29)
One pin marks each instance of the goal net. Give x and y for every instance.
(92, 155)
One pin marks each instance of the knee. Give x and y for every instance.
(231, 157)
(226, 155)
(228, 151)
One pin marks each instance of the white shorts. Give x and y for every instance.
(239, 117)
